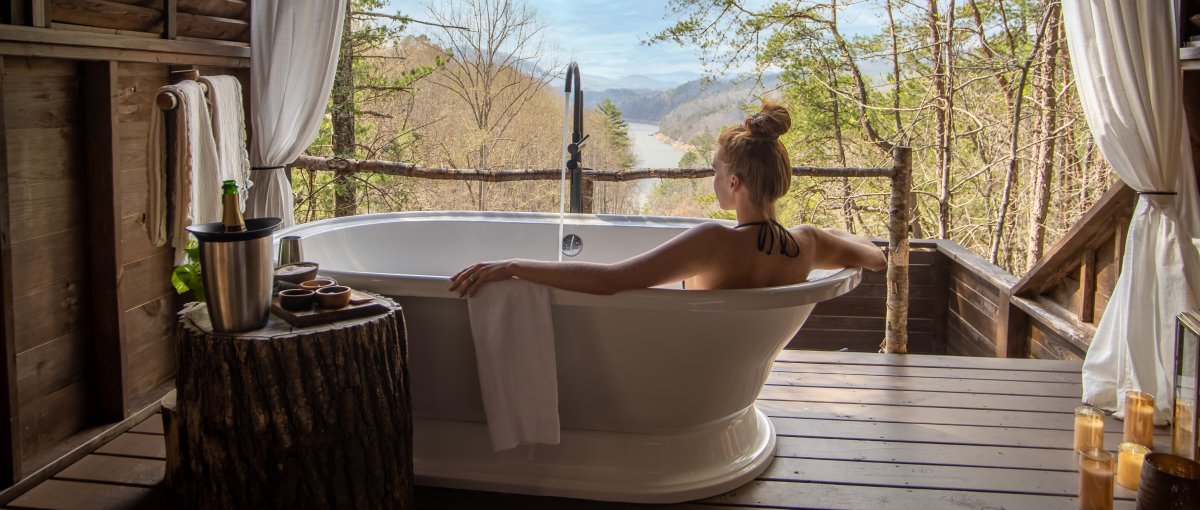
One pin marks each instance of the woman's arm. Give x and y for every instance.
(685, 255)
(835, 248)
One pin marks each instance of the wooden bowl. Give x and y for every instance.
(296, 273)
(296, 299)
(318, 283)
(1169, 482)
(335, 296)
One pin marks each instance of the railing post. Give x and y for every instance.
(896, 336)
(589, 195)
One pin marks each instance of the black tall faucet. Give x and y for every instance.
(575, 164)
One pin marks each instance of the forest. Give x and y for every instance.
(982, 90)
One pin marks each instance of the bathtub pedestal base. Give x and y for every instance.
(639, 468)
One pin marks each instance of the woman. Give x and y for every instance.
(752, 172)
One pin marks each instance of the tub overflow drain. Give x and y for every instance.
(571, 245)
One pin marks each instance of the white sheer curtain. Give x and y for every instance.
(293, 55)
(1126, 61)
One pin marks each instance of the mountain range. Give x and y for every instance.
(687, 110)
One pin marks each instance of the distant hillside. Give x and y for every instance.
(689, 109)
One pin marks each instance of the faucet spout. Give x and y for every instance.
(575, 164)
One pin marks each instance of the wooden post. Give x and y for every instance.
(170, 15)
(896, 335)
(104, 226)
(589, 194)
(10, 425)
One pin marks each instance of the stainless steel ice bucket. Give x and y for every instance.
(238, 272)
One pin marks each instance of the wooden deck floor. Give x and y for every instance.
(855, 431)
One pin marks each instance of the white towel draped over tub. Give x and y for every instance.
(194, 191)
(514, 350)
(229, 132)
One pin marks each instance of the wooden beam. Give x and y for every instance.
(104, 225)
(210, 49)
(10, 426)
(39, 13)
(120, 55)
(1054, 318)
(941, 299)
(1087, 286)
(542, 174)
(170, 19)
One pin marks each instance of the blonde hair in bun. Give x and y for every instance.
(753, 152)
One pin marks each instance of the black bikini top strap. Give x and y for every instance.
(768, 232)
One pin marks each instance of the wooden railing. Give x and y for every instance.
(897, 282)
(1058, 303)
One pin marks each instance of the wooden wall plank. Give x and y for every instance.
(50, 313)
(104, 220)
(147, 279)
(36, 155)
(151, 344)
(108, 14)
(52, 366)
(237, 9)
(10, 422)
(212, 27)
(47, 420)
(43, 208)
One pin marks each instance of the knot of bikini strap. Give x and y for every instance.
(768, 232)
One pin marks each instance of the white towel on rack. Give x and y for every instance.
(514, 351)
(229, 132)
(192, 190)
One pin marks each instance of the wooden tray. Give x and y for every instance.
(361, 305)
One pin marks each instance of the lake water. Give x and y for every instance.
(652, 153)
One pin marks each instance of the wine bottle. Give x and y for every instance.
(232, 215)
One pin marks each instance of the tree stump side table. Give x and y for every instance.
(285, 417)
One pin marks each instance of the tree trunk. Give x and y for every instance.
(284, 417)
(344, 200)
(940, 103)
(1044, 95)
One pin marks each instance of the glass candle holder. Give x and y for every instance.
(1129, 464)
(1139, 418)
(1089, 428)
(1095, 480)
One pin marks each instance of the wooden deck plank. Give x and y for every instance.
(1037, 459)
(942, 385)
(902, 414)
(927, 476)
(136, 445)
(151, 425)
(933, 433)
(67, 495)
(925, 360)
(920, 398)
(856, 497)
(932, 373)
(113, 469)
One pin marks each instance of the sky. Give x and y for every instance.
(605, 36)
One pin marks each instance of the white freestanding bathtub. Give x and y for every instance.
(656, 386)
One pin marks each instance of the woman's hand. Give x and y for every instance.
(469, 280)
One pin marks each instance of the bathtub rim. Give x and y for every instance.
(826, 287)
